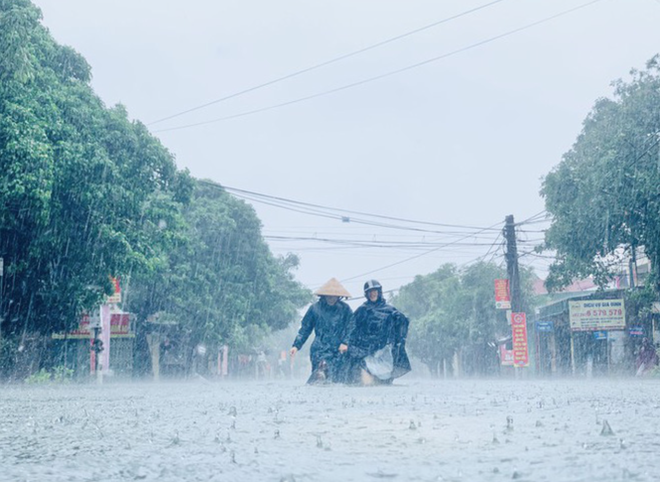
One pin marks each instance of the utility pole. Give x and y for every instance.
(512, 264)
(518, 320)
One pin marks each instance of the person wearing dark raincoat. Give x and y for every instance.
(647, 357)
(328, 318)
(375, 341)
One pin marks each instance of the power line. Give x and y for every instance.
(536, 255)
(271, 199)
(481, 258)
(351, 220)
(327, 62)
(536, 218)
(383, 243)
(410, 258)
(386, 74)
(371, 243)
(323, 231)
(344, 244)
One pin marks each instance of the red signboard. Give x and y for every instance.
(519, 333)
(506, 356)
(116, 296)
(120, 327)
(502, 296)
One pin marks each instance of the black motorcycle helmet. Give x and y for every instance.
(372, 284)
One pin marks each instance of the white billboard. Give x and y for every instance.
(588, 315)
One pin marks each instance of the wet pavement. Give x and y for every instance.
(466, 430)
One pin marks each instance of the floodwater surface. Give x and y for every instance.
(476, 430)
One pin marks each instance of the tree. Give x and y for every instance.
(452, 311)
(76, 180)
(218, 280)
(603, 196)
(434, 332)
(86, 195)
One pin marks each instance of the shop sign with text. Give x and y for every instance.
(502, 296)
(591, 315)
(120, 327)
(519, 333)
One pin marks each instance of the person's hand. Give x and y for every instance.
(343, 348)
(293, 351)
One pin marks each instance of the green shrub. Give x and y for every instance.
(42, 376)
(59, 374)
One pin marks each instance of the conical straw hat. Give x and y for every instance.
(332, 288)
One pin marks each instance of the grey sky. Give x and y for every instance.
(463, 140)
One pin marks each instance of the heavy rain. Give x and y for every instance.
(463, 430)
(318, 241)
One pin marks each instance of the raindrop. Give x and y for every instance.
(607, 430)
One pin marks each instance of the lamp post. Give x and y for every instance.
(96, 346)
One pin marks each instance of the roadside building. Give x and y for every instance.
(584, 331)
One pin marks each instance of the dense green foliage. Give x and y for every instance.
(86, 194)
(452, 311)
(217, 279)
(604, 195)
(74, 179)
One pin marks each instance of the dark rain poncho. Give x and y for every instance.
(329, 324)
(376, 340)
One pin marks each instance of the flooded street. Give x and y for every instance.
(282, 431)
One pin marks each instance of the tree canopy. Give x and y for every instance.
(75, 178)
(453, 311)
(87, 194)
(217, 278)
(604, 196)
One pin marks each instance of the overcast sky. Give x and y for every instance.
(463, 139)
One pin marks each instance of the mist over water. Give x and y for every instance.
(426, 430)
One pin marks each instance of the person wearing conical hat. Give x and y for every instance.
(328, 318)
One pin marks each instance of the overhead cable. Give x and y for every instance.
(327, 62)
(234, 190)
(384, 75)
(410, 258)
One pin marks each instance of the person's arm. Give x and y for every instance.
(350, 329)
(401, 324)
(306, 327)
